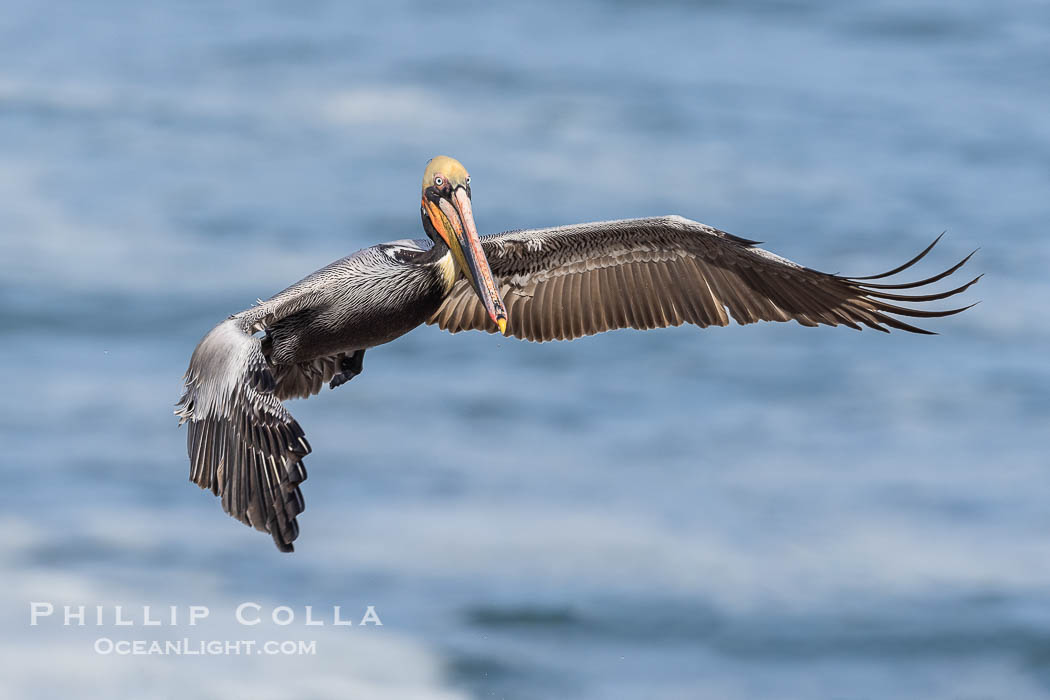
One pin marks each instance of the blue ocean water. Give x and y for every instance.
(747, 512)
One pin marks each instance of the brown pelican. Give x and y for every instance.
(544, 284)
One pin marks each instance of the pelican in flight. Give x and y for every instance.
(543, 284)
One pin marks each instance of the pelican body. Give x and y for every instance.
(543, 284)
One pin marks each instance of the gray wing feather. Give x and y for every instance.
(305, 379)
(243, 444)
(571, 281)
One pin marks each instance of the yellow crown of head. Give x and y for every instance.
(448, 168)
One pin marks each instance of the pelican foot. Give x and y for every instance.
(349, 368)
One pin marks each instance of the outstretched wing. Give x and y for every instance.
(242, 443)
(571, 281)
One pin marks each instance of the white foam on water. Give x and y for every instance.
(52, 659)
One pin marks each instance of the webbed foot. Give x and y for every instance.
(349, 367)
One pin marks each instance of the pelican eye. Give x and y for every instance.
(468, 179)
(439, 181)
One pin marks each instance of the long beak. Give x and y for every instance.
(469, 255)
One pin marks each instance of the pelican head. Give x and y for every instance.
(448, 219)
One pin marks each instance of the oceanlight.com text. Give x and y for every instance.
(203, 647)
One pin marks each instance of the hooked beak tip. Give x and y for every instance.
(502, 323)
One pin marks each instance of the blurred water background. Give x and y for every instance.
(748, 512)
